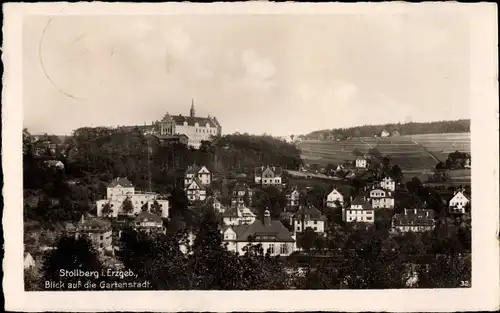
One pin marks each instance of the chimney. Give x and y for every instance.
(415, 211)
(267, 218)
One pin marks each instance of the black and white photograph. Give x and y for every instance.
(231, 151)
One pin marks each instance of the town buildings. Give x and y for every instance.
(361, 162)
(97, 230)
(239, 215)
(459, 203)
(120, 190)
(200, 173)
(384, 134)
(292, 199)
(271, 234)
(196, 128)
(308, 217)
(334, 199)
(149, 223)
(242, 194)
(29, 261)
(416, 220)
(388, 183)
(196, 191)
(268, 175)
(215, 204)
(360, 210)
(381, 198)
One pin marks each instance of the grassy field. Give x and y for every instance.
(414, 154)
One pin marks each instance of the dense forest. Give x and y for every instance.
(413, 128)
(92, 157)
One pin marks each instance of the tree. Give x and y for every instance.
(144, 207)
(156, 208)
(127, 206)
(70, 254)
(106, 209)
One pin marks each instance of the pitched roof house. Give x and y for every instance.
(268, 175)
(308, 217)
(120, 182)
(459, 203)
(271, 234)
(416, 220)
(360, 210)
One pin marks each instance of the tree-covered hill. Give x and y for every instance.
(458, 126)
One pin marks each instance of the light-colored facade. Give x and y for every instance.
(381, 198)
(308, 217)
(196, 128)
(29, 261)
(292, 199)
(388, 183)
(271, 234)
(360, 211)
(119, 190)
(361, 162)
(458, 203)
(98, 231)
(195, 191)
(268, 175)
(416, 220)
(149, 223)
(239, 215)
(334, 198)
(201, 173)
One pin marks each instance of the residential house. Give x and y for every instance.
(339, 168)
(29, 261)
(119, 190)
(416, 220)
(459, 202)
(308, 217)
(215, 204)
(239, 215)
(381, 198)
(361, 162)
(98, 231)
(268, 175)
(271, 234)
(388, 183)
(334, 199)
(149, 223)
(241, 195)
(384, 133)
(167, 140)
(360, 210)
(201, 173)
(467, 163)
(196, 191)
(292, 199)
(395, 134)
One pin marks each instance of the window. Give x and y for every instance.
(283, 248)
(102, 237)
(315, 228)
(101, 245)
(271, 248)
(315, 222)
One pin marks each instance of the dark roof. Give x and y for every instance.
(194, 169)
(365, 204)
(192, 120)
(418, 217)
(198, 182)
(310, 212)
(230, 212)
(274, 229)
(275, 169)
(122, 181)
(148, 217)
(170, 137)
(93, 225)
(240, 187)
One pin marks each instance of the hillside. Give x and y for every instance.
(411, 153)
(405, 129)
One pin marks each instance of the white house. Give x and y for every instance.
(268, 175)
(148, 222)
(241, 191)
(381, 198)
(238, 216)
(201, 173)
(29, 261)
(195, 191)
(361, 162)
(388, 183)
(271, 234)
(459, 202)
(416, 220)
(308, 217)
(333, 198)
(292, 198)
(384, 133)
(119, 190)
(359, 211)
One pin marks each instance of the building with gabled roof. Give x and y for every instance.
(459, 203)
(199, 172)
(216, 204)
(268, 175)
(99, 232)
(308, 216)
(334, 198)
(292, 198)
(381, 198)
(360, 210)
(361, 162)
(416, 220)
(238, 215)
(149, 223)
(388, 183)
(271, 234)
(196, 191)
(241, 195)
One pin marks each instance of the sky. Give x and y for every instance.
(280, 74)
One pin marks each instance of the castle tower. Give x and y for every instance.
(192, 112)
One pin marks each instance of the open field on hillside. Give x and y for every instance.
(412, 153)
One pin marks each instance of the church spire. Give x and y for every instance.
(192, 112)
